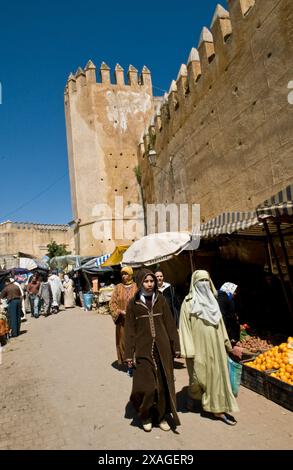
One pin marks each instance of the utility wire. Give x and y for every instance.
(161, 89)
(34, 197)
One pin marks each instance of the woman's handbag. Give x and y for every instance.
(235, 371)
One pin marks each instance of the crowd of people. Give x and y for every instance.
(42, 294)
(151, 331)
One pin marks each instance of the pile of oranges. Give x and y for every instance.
(279, 358)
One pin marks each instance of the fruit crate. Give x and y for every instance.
(270, 387)
(253, 379)
(279, 392)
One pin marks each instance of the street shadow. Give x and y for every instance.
(178, 365)
(185, 404)
(120, 367)
(130, 413)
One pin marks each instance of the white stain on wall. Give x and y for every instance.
(122, 104)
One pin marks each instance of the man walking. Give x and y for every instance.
(12, 294)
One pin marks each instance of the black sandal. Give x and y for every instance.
(228, 419)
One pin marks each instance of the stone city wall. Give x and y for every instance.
(223, 136)
(33, 238)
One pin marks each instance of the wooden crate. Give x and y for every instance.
(279, 392)
(270, 387)
(253, 379)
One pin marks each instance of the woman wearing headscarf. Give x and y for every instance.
(169, 293)
(151, 343)
(226, 296)
(69, 300)
(121, 296)
(205, 345)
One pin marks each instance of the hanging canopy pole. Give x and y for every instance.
(269, 256)
(191, 261)
(285, 253)
(278, 266)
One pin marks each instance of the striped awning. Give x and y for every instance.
(281, 204)
(101, 259)
(227, 223)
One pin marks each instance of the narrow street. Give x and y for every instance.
(60, 389)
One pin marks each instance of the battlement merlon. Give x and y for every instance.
(182, 83)
(221, 29)
(80, 78)
(119, 75)
(105, 74)
(87, 76)
(90, 72)
(240, 8)
(206, 49)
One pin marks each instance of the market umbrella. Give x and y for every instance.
(155, 248)
(27, 263)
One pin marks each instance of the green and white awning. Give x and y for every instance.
(281, 204)
(227, 223)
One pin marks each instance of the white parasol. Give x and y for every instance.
(155, 248)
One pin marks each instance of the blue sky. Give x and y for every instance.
(40, 43)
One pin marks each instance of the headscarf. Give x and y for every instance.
(141, 275)
(201, 300)
(229, 288)
(129, 271)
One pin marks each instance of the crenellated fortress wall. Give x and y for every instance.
(33, 238)
(104, 122)
(223, 136)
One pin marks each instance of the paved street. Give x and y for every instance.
(60, 389)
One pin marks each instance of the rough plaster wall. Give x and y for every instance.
(231, 137)
(104, 124)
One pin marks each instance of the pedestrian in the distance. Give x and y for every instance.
(57, 289)
(33, 292)
(226, 299)
(12, 294)
(46, 296)
(69, 299)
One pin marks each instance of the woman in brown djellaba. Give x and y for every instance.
(151, 343)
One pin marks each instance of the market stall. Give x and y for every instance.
(276, 215)
(100, 283)
(247, 248)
